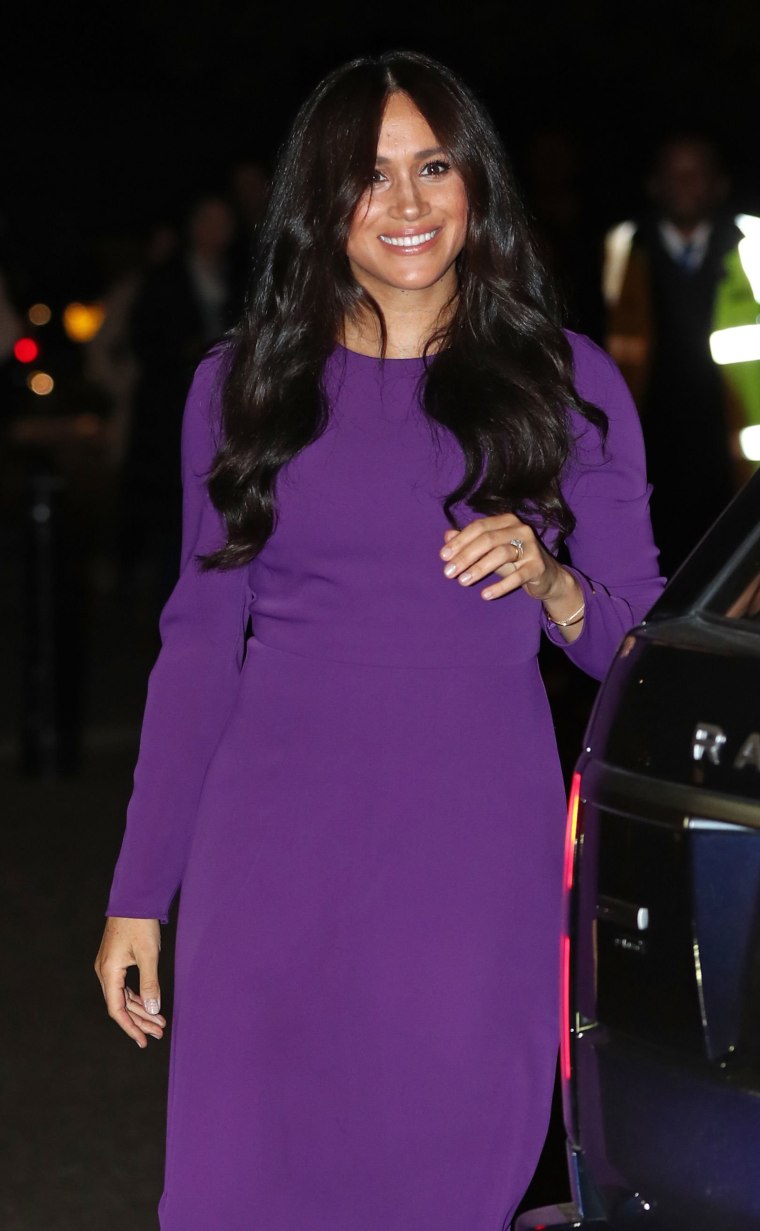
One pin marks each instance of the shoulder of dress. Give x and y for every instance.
(213, 367)
(593, 368)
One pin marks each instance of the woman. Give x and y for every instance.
(362, 800)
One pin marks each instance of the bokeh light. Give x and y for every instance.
(750, 442)
(82, 321)
(39, 314)
(26, 350)
(40, 383)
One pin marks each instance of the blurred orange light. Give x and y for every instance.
(39, 314)
(83, 320)
(26, 350)
(40, 383)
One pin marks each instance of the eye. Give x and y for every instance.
(437, 167)
(377, 176)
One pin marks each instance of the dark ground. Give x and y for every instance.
(83, 1114)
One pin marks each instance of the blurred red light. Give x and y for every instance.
(571, 835)
(571, 830)
(26, 350)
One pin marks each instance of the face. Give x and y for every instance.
(211, 226)
(411, 224)
(688, 186)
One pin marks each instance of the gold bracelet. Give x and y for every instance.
(575, 618)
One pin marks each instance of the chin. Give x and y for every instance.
(415, 279)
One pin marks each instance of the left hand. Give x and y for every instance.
(485, 546)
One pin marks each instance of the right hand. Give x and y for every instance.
(125, 943)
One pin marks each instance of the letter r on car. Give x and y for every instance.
(707, 743)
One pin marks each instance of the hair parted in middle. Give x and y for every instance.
(498, 372)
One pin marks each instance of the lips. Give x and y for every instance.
(410, 243)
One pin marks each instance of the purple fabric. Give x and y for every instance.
(365, 810)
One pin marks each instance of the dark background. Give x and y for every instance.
(113, 119)
(114, 115)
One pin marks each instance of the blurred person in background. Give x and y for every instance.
(110, 361)
(666, 278)
(183, 306)
(10, 322)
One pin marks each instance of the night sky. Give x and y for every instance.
(115, 118)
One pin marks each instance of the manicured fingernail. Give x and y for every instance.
(465, 578)
(447, 553)
(488, 594)
(151, 1006)
(450, 570)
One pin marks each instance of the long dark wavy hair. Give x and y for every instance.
(498, 373)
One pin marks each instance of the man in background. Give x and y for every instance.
(663, 280)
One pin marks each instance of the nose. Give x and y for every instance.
(409, 201)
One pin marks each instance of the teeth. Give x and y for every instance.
(407, 241)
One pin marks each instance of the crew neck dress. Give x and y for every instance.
(348, 764)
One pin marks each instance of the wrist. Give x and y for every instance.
(565, 600)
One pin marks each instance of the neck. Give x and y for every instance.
(411, 318)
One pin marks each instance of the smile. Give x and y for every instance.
(410, 241)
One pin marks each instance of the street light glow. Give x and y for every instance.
(749, 440)
(26, 350)
(40, 383)
(39, 314)
(82, 321)
(741, 344)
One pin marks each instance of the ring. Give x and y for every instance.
(519, 547)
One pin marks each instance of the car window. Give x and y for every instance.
(747, 605)
(738, 597)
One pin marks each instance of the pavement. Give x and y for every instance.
(81, 1142)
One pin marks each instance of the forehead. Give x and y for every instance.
(404, 131)
(688, 157)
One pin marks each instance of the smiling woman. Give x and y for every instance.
(411, 223)
(362, 800)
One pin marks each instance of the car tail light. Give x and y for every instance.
(571, 834)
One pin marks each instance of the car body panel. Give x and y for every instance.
(662, 1108)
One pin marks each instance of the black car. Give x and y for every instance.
(661, 957)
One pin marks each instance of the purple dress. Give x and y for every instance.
(364, 807)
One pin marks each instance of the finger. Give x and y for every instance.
(513, 577)
(505, 585)
(145, 1023)
(484, 525)
(499, 558)
(135, 1006)
(450, 534)
(112, 983)
(489, 540)
(150, 991)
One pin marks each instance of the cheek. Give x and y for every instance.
(461, 212)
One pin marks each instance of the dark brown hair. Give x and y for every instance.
(498, 375)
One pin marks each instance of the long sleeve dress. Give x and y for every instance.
(348, 764)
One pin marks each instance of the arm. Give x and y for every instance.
(191, 688)
(612, 553)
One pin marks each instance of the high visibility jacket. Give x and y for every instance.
(734, 339)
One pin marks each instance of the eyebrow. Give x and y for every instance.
(436, 149)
